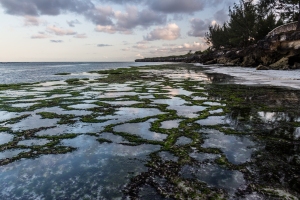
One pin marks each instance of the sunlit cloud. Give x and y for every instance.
(40, 35)
(32, 21)
(169, 32)
(59, 31)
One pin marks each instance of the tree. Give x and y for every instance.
(217, 36)
(248, 23)
(242, 21)
(288, 10)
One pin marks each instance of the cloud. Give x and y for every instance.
(184, 48)
(73, 22)
(199, 27)
(127, 21)
(126, 49)
(104, 45)
(56, 41)
(140, 56)
(100, 15)
(40, 35)
(123, 1)
(221, 16)
(45, 7)
(133, 18)
(177, 6)
(60, 32)
(106, 29)
(31, 21)
(170, 32)
(140, 46)
(81, 36)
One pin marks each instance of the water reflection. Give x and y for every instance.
(142, 130)
(5, 138)
(32, 122)
(170, 124)
(238, 149)
(183, 141)
(93, 171)
(215, 176)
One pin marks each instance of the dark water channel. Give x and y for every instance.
(149, 133)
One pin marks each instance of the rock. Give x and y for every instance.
(266, 60)
(296, 66)
(248, 61)
(262, 67)
(222, 60)
(295, 184)
(283, 63)
(236, 61)
(210, 62)
(233, 62)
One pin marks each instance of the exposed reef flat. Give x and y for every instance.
(153, 132)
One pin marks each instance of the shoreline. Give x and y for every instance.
(250, 76)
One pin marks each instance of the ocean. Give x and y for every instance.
(31, 72)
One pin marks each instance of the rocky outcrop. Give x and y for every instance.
(280, 51)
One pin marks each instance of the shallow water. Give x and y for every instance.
(238, 150)
(5, 138)
(170, 124)
(177, 134)
(141, 129)
(216, 176)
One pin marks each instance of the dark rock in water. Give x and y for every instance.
(210, 62)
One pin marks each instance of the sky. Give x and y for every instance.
(105, 30)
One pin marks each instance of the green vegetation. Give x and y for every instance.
(248, 23)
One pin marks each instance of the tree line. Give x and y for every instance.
(250, 22)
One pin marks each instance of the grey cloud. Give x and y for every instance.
(56, 41)
(199, 27)
(80, 36)
(100, 16)
(45, 7)
(177, 6)
(72, 23)
(133, 18)
(104, 45)
(221, 16)
(123, 1)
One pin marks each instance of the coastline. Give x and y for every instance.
(277, 51)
